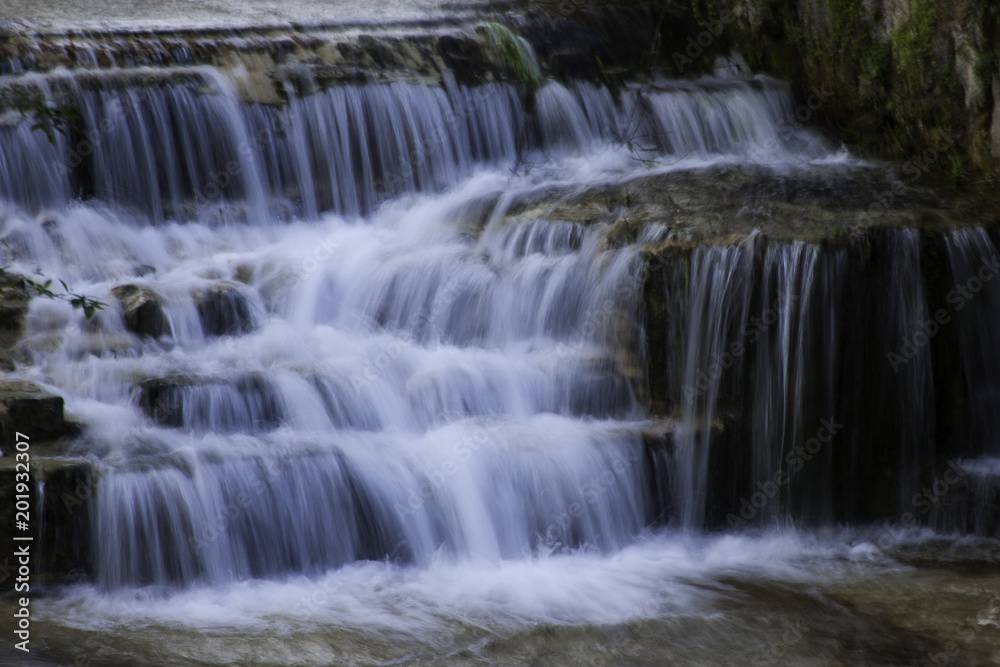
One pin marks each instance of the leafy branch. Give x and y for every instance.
(49, 118)
(15, 281)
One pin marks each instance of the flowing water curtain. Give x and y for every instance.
(459, 383)
(184, 147)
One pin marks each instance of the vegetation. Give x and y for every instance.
(892, 69)
(515, 56)
(912, 41)
(49, 118)
(10, 281)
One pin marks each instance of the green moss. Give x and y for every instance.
(704, 10)
(514, 54)
(845, 15)
(985, 68)
(891, 95)
(913, 40)
(31, 102)
(875, 61)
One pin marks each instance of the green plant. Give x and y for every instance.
(16, 281)
(49, 118)
(514, 53)
(985, 66)
(912, 41)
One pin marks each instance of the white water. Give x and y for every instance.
(661, 576)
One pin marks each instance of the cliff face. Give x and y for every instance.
(914, 81)
(909, 80)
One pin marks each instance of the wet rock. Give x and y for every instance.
(162, 400)
(224, 310)
(27, 408)
(60, 492)
(13, 311)
(248, 404)
(142, 311)
(465, 57)
(245, 274)
(658, 459)
(248, 72)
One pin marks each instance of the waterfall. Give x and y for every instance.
(973, 299)
(423, 433)
(184, 147)
(769, 351)
(352, 325)
(717, 305)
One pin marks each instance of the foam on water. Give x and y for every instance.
(669, 575)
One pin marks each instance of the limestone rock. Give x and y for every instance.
(142, 310)
(27, 408)
(60, 527)
(13, 310)
(7, 364)
(224, 310)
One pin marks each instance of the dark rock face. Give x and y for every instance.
(27, 408)
(142, 311)
(224, 311)
(58, 489)
(13, 309)
(59, 496)
(903, 421)
(248, 404)
(464, 56)
(914, 80)
(658, 459)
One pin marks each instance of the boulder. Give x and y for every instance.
(224, 310)
(60, 527)
(13, 312)
(27, 408)
(142, 310)
(247, 404)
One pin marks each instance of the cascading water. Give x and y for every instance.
(170, 148)
(771, 352)
(372, 357)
